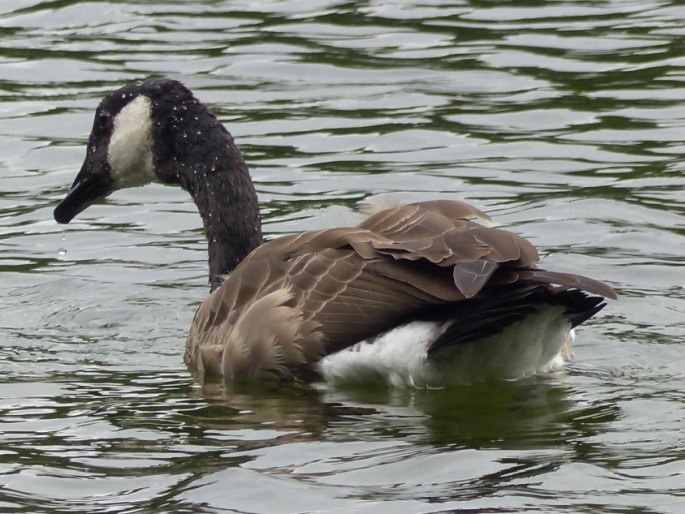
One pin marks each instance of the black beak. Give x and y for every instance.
(91, 184)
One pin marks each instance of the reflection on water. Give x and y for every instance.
(533, 413)
(184, 438)
(564, 120)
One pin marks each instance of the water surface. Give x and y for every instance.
(564, 120)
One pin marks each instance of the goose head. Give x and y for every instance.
(157, 131)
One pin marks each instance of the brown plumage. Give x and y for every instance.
(298, 298)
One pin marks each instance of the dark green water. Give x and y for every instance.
(564, 120)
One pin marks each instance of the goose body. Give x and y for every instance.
(415, 295)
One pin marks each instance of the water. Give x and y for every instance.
(564, 120)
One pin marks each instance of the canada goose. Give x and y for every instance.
(415, 295)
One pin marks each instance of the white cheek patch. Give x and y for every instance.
(130, 147)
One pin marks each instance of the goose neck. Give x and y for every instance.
(228, 204)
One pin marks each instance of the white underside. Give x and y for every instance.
(399, 357)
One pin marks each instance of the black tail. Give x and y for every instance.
(481, 317)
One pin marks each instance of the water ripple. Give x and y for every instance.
(563, 119)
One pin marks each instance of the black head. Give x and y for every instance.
(140, 134)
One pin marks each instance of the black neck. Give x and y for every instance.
(227, 202)
(197, 152)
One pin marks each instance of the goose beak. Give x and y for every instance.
(90, 185)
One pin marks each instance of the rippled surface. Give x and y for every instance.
(565, 120)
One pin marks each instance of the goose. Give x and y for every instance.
(417, 295)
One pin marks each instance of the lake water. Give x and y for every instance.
(564, 120)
